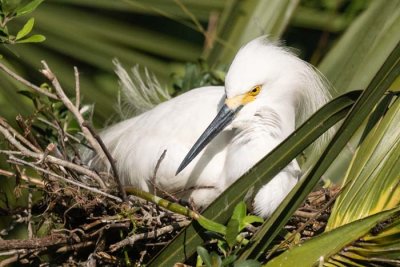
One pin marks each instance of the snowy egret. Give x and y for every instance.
(268, 92)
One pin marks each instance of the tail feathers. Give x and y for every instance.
(139, 91)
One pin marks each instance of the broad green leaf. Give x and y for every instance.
(362, 50)
(37, 38)
(261, 17)
(329, 243)
(26, 29)
(247, 263)
(356, 58)
(205, 256)
(28, 8)
(372, 181)
(219, 211)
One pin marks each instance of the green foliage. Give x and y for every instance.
(197, 75)
(230, 242)
(10, 10)
(319, 249)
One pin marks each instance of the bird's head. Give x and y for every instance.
(263, 71)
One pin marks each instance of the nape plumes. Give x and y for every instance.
(268, 92)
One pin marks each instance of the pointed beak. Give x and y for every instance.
(224, 117)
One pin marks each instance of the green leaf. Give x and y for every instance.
(240, 211)
(26, 29)
(232, 230)
(229, 260)
(211, 225)
(28, 8)
(247, 263)
(37, 38)
(272, 18)
(205, 256)
(250, 220)
(216, 260)
(329, 243)
(372, 179)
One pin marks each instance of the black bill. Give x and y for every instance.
(223, 118)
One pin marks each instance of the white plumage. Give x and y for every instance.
(268, 92)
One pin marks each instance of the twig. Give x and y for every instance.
(49, 158)
(110, 159)
(34, 243)
(77, 89)
(8, 261)
(152, 234)
(19, 136)
(67, 102)
(153, 179)
(95, 190)
(57, 126)
(27, 83)
(75, 246)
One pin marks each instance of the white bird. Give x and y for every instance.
(215, 134)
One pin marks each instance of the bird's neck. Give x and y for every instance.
(254, 139)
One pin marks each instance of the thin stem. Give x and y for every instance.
(27, 83)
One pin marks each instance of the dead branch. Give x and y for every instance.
(77, 89)
(39, 156)
(34, 243)
(27, 83)
(149, 235)
(18, 135)
(110, 159)
(95, 190)
(47, 72)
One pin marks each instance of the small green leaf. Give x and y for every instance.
(37, 38)
(247, 263)
(249, 220)
(216, 260)
(28, 8)
(229, 260)
(26, 29)
(240, 211)
(223, 247)
(211, 225)
(232, 230)
(204, 255)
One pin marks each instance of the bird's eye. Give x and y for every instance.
(255, 91)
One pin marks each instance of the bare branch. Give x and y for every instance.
(110, 159)
(27, 83)
(95, 190)
(77, 89)
(18, 135)
(149, 235)
(49, 158)
(23, 177)
(67, 102)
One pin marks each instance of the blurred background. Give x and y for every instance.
(179, 41)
